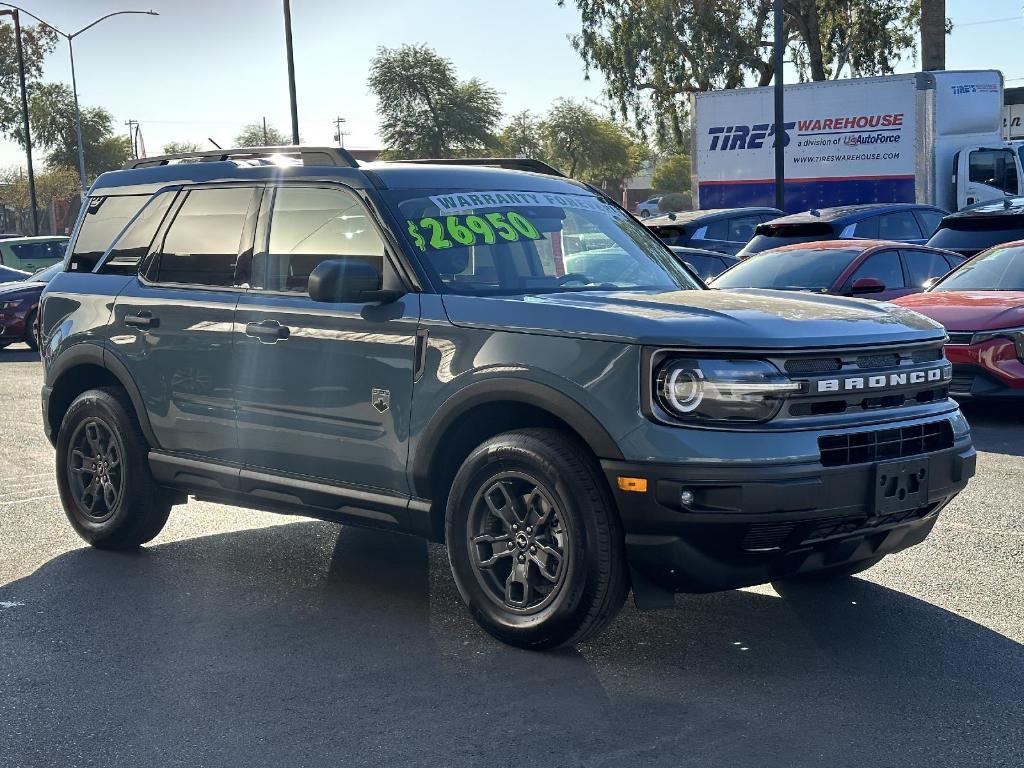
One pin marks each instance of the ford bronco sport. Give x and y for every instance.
(488, 354)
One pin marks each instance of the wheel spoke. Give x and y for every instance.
(92, 436)
(499, 548)
(517, 585)
(109, 495)
(548, 560)
(501, 505)
(113, 459)
(538, 510)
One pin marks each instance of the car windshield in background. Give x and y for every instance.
(46, 274)
(998, 270)
(972, 236)
(803, 269)
(507, 242)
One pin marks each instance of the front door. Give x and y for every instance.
(986, 174)
(323, 390)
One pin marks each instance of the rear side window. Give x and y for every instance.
(201, 246)
(103, 220)
(742, 229)
(922, 266)
(898, 226)
(929, 221)
(135, 241)
(716, 230)
(884, 266)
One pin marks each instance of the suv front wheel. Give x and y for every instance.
(103, 474)
(534, 540)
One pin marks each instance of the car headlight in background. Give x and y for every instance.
(1016, 335)
(709, 390)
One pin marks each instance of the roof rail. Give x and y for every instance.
(330, 156)
(511, 163)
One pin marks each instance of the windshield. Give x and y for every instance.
(998, 270)
(507, 242)
(46, 274)
(803, 269)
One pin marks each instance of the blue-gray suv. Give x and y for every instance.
(488, 354)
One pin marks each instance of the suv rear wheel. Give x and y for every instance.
(103, 474)
(534, 540)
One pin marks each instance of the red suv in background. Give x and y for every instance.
(981, 305)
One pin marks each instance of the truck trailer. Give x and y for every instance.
(925, 137)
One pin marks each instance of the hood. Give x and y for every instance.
(740, 319)
(21, 286)
(970, 310)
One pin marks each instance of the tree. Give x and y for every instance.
(52, 183)
(426, 111)
(37, 42)
(180, 147)
(52, 111)
(672, 174)
(260, 134)
(522, 137)
(653, 53)
(589, 147)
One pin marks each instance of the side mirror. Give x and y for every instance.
(867, 285)
(929, 283)
(349, 280)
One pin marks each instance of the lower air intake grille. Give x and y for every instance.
(959, 337)
(883, 444)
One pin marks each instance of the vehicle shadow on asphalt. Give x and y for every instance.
(306, 644)
(989, 419)
(18, 354)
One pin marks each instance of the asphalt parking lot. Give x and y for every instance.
(245, 639)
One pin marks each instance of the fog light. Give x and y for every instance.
(686, 497)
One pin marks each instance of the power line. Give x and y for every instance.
(957, 24)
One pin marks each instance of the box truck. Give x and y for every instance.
(925, 137)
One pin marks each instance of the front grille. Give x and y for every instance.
(960, 337)
(846, 526)
(803, 366)
(878, 361)
(884, 444)
(926, 355)
(765, 537)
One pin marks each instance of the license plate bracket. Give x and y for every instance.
(901, 485)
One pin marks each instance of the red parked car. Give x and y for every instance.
(876, 269)
(981, 306)
(19, 302)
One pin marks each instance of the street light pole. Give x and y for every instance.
(78, 121)
(24, 113)
(291, 69)
(780, 131)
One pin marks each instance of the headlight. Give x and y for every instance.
(1016, 335)
(698, 390)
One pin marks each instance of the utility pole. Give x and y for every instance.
(133, 135)
(339, 135)
(780, 131)
(291, 69)
(266, 140)
(24, 111)
(933, 34)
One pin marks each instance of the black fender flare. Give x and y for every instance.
(89, 353)
(509, 390)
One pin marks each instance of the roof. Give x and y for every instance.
(709, 214)
(864, 244)
(852, 212)
(682, 250)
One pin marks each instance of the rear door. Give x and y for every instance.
(323, 390)
(174, 322)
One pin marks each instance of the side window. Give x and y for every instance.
(898, 226)
(867, 228)
(929, 221)
(671, 235)
(884, 266)
(742, 229)
(994, 168)
(924, 265)
(201, 246)
(132, 246)
(716, 230)
(104, 218)
(309, 225)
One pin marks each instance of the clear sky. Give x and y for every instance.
(205, 67)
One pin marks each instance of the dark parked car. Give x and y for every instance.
(19, 304)
(725, 230)
(705, 264)
(983, 225)
(903, 222)
(877, 269)
(982, 307)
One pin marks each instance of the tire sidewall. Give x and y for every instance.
(558, 621)
(99, 404)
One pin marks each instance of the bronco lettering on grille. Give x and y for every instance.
(884, 381)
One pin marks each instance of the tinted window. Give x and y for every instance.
(671, 235)
(201, 246)
(774, 236)
(898, 226)
(104, 218)
(706, 267)
(309, 226)
(866, 228)
(742, 229)
(929, 221)
(994, 168)
(804, 269)
(44, 251)
(971, 236)
(134, 243)
(716, 230)
(922, 266)
(884, 266)
(999, 270)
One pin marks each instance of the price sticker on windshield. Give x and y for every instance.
(443, 232)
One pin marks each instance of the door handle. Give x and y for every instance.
(268, 331)
(144, 319)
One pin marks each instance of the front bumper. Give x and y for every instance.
(750, 524)
(987, 369)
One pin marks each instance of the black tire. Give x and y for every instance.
(568, 573)
(30, 331)
(133, 510)
(833, 573)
